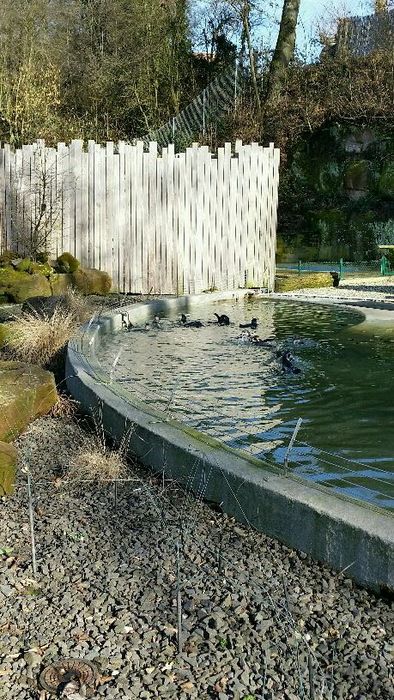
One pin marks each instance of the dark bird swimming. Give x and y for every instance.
(253, 324)
(190, 324)
(288, 365)
(223, 320)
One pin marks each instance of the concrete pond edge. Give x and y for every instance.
(331, 528)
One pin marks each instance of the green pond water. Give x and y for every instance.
(238, 393)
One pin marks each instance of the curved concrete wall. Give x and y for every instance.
(331, 528)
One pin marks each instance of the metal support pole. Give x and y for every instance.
(291, 443)
(178, 599)
(115, 495)
(203, 113)
(31, 518)
(236, 85)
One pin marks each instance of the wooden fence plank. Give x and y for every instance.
(171, 224)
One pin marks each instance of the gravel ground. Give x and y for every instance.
(106, 590)
(354, 288)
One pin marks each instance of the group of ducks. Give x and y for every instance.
(246, 335)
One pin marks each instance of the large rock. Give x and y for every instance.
(61, 283)
(45, 306)
(8, 458)
(19, 286)
(6, 333)
(26, 392)
(91, 281)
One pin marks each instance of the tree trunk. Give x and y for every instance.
(284, 50)
(252, 62)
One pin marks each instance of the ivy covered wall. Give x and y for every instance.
(337, 194)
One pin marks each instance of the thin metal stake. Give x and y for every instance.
(311, 679)
(291, 443)
(115, 495)
(220, 555)
(179, 599)
(31, 518)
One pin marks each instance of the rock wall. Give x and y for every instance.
(337, 194)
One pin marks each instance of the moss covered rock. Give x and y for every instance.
(8, 459)
(6, 333)
(291, 281)
(26, 392)
(67, 263)
(61, 283)
(91, 281)
(25, 265)
(18, 286)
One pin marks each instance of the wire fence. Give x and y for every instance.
(367, 484)
(213, 561)
(342, 267)
(201, 117)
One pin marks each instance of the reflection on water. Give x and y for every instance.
(239, 394)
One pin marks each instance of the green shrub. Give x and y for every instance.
(67, 263)
(43, 269)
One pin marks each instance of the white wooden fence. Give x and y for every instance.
(174, 224)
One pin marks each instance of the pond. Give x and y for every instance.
(238, 392)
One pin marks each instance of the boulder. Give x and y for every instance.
(45, 306)
(18, 286)
(8, 458)
(67, 263)
(61, 283)
(26, 392)
(91, 281)
(6, 333)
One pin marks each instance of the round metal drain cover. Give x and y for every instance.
(53, 676)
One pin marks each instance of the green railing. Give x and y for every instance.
(342, 267)
(385, 266)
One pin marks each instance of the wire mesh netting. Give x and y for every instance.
(343, 267)
(203, 113)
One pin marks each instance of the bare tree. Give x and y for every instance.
(37, 203)
(284, 50)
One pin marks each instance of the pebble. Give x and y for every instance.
(112, 598)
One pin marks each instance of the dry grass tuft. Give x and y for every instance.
(65, 407)
(79, 306)
(38, 339)
(93, 462)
